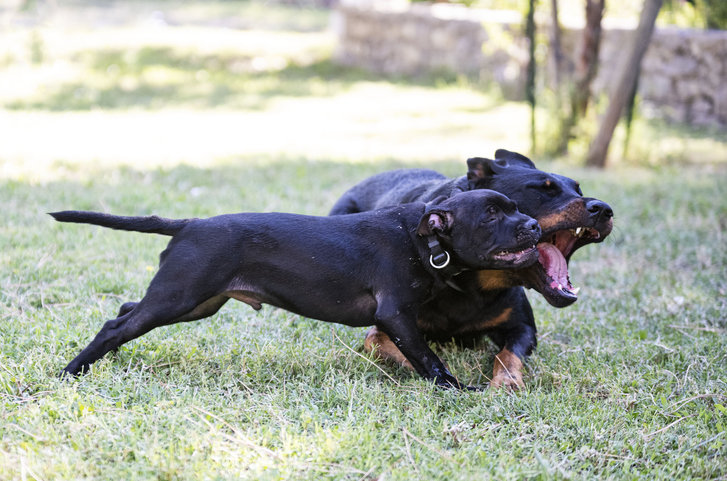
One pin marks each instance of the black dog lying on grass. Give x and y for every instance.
(491, 302)
(374, 268)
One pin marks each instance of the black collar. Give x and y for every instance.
(441, 260)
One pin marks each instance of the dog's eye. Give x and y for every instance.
(491, 215)
(549, 187)
(546, 185)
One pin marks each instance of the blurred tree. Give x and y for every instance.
(629, 112)
(715, 13)
(587, 65)
(556, 47)
(585, 71)
(598, 150)
(530, 80)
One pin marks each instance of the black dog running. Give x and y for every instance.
(374, 268)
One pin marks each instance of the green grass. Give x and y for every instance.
(627, 383)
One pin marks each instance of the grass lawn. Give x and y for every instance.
(183, 115)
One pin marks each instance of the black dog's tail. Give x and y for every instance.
(151, 224)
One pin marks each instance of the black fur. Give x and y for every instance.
(491, 302)
(365, 269)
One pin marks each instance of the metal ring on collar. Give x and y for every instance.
(442, 265)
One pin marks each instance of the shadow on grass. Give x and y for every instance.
(161, 77)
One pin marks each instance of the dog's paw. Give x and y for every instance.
(506, 381)
(507, 371)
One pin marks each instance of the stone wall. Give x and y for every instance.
(397, 38)
(683, 78)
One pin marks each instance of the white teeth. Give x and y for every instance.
(574, 291)
(578, 231)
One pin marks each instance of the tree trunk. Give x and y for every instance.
(530, 80)
(585, 71)
(587, 65)
(629, 114)
(619, 96)
(556, 47)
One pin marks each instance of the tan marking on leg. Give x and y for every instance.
(507, 371)
(385, 348)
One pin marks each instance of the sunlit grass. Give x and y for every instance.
(155, 85)
(370, 121)
(147, 95)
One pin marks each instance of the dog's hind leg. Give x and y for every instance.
(141, 318)
(385, 348)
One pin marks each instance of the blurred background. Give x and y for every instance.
(151, 83)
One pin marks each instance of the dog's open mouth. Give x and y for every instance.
(554, 252)
(517, 256)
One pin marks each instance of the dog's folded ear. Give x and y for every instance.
(481, 168)
(514, 159)
(435, 221)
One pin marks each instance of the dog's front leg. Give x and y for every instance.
(401, 328)
(516, 339)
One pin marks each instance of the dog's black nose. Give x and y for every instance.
(530, 227)
(599, 208)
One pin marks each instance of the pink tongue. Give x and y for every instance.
(554, 264)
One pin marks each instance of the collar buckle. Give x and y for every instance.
(440, 259)
(433, 261)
